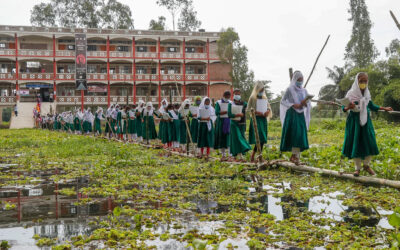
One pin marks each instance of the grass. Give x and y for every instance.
(135, 178)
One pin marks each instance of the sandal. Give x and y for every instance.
(356, 173)
(369, 170)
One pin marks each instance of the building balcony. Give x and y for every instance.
(196, 77)
(36, 76)
(7, 76)
(97, 53)
(95, 100)
(146, 77)
(65, 53)
(35, 53)
(68, 100)
(170, 55)
(96, 76)
(146, 55)
(121, 77)
(153, 99)
(65, 76)
(7, 100)
(121, 99)
(170, 77)
(7, 52)
(120, 54)
(201, 56)
(175, 99)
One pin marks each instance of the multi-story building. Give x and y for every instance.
(123, 66)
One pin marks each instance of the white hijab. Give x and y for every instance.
(147, 112)
(212, 111)
(355, 95)
(139, 107)
(162, 108)
(294, 95)
(182, 107)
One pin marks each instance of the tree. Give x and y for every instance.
(230, 51)
(188, 20)
(115, 15)
(157, 25)
(393, 50)
(360, 50)
(82, 14)
(331, 91)
(174, 7)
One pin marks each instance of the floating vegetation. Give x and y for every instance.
(77, 191)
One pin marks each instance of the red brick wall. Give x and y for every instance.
(218, 89)
(220, 72)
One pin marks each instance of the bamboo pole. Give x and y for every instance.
(333, 173)
(395, 19)
(316, 61)
(253, 116)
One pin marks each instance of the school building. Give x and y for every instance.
(123, 66)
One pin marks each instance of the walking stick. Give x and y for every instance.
(316, 61)
(186, 123)
(253, 116)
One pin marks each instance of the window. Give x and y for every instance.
(153, 71)
(123, 92)
(91, 68)
(189, 70)
(71, 68)
(91, 48)
(112, 71)
(33, 64)
(140, 70)
(141, 49)
(71, 47)
(172, 49)
(123, 48)
(60, 70)
(104, 70)
(38, 46)
(2, 45)
(124, 69)
(190, 49)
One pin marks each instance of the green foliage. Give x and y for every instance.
(4, 245)
(157, 25)
(82, 14)
(360, 50)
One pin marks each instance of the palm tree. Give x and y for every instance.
(331, 91)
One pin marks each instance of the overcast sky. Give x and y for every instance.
(279, 34)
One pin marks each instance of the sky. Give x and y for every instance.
(278, 34)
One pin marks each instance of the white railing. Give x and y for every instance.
(120, 54)
(95, 99)
(97, 76)
(174, 98)
(174, 77)
(36, 76)
(27, 52)
(65, 76)
(5, 100)
(68, 100)
(146, 77)
(97, 53)
(65, 53)
(170, 55)
(196, 55)
(121, 99)
(121, 77)
(7, 52)
(153, 99)
(196, 77)
(146, 54)
(7, 76)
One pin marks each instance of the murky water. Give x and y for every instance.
(40, 210)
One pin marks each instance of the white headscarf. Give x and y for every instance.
(212, 111)
(162, 108)
(148, 112)
(252, 103)
(182, 107)
(294, 95)
(355, 95)
(139, 108)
